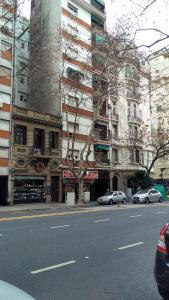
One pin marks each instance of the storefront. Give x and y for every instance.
(29, 189)
(70, 184)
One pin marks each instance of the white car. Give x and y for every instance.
(112, 197)
(147, 195)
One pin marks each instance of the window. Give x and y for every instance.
(72, 52)
(75, 154)
(23, 98)
(75, 74)
(73, 9)
(129, 109)
(72, 101)
(115, 157)
(54, 140)
(135, 110)
(20, 135)
(115, 130)
(22, 80)
(5, 72)
(6, 47)
(39, 138)
(134, 155)
(73, 127)
(73, 30)
(23, 45)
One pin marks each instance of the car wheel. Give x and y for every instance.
(160, 199)
(111, 202)
(163, 293)
(147, 200)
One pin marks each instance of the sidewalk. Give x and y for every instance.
(43, 206)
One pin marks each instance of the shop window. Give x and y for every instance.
(54, 140)
(20, 135)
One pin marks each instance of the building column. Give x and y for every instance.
(48, 184)
(111, 180)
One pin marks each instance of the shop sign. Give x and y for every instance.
(90, 175)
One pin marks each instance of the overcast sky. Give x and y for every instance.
(157, 16)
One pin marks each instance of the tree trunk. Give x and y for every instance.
(81, 194)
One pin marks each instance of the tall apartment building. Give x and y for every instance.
(159, 63)
(11, 33)
(63, 34)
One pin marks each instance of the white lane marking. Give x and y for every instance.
(105, 220)
(53, 267)
(60, 226)
(131, 245)
(161, 212)
(87, 257)
(136, 216)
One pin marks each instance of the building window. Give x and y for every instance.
(54, 140)
(73, 9)
(23, 45)
(73, 101)
(5, 72)
(73, 127)
(22, 80)
(115, 157)
(20, 135)
(75, 154)
(6, 47)
(72, 52)
(73, 30)
(135, 156)
(115, 130)
(75, 74)
(23, 98)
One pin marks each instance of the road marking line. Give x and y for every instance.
(131, 245)
(53, 267)
(60, 226)
(135, 216)
(105, 220)
(161, 212)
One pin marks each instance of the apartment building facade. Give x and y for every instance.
(64, 34)
(159, 63)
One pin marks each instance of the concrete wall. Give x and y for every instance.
(45, 57)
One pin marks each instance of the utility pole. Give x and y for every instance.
(11, 169)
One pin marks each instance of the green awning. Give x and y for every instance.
(102, 2)
(101, 147)
(100, 38)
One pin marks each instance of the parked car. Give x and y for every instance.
(161, 268)
(112, 197)
(147, 195)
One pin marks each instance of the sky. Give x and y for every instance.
(157, 16)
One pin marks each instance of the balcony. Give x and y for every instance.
(36, 151)
(104, 162)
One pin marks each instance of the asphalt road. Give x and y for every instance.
(99, 255)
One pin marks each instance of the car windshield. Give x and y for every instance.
(109, 193)
(143, 191)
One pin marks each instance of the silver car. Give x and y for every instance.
(112, 197)
(147, 195)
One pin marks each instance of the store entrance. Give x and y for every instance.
(55, 188)
(3, 190)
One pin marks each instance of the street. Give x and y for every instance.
(99, 254)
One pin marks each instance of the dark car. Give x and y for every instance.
(161, 269)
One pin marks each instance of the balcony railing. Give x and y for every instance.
(36, 151)
(104, 162)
